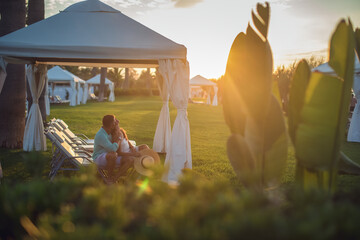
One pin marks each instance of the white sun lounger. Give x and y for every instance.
(70, 158)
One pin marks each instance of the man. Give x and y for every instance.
(104, 154)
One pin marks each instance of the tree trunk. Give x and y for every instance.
(149, 81)
(126, 84)
(36, 13)
(12, 97)
(102, 84)
(94, 71)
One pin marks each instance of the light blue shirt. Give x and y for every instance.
(102, 143)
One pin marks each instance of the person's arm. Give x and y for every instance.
(126, 154)
(132, 148)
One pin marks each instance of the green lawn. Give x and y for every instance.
(139, 115)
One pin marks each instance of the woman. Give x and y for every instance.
(126, 149)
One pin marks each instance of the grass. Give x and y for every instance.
(139, 115)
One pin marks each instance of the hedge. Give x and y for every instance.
(82, 207)
(132, 92)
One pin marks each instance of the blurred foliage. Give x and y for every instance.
(257, 148)
(83, 208)
(318, 112)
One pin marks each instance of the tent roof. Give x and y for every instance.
(59, 75)
(96, 80)
(325, 68)
(201, 81)
(91, 33)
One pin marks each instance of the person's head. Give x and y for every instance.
(109, 122)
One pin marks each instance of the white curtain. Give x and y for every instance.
(208, 100)
(34, 138)
(79, 93)
(91, 90)
(3, 74)
(112, 95)
(354, 129)
(85, 93)
(162, 136)
(215, 100)
(46, 96)
(176, 75)
(73, 93)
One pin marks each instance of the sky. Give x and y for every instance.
(298, 28)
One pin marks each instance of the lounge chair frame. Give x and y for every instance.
(69, 158)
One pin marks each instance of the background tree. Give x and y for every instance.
(85, 73)
(35, 11)
(102, 84)
(126, 83)
(283, 76)
(12, 97)
(115, 75)
(74, 70)
(132, 77)
(94, 71)
(149, 81)
(146, 80)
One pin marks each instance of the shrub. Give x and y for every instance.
(82, 207)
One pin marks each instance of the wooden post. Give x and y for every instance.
(102, 84)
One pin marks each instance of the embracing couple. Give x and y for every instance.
(112, 148)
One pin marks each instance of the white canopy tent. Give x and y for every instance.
(96, 81)
(79, 88)
(68, 38)
(325, 68)
(200, 81)
(354, 129)
(72, 83)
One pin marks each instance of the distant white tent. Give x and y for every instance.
(325, 68)
(68, 81)
(96, 81)
(203, 82)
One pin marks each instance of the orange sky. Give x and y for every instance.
(298, 28)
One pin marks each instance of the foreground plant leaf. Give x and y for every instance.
(258, 147)
(317, 132)
(275, 147)
(242, 161)
(297, 95)
(318, 112)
